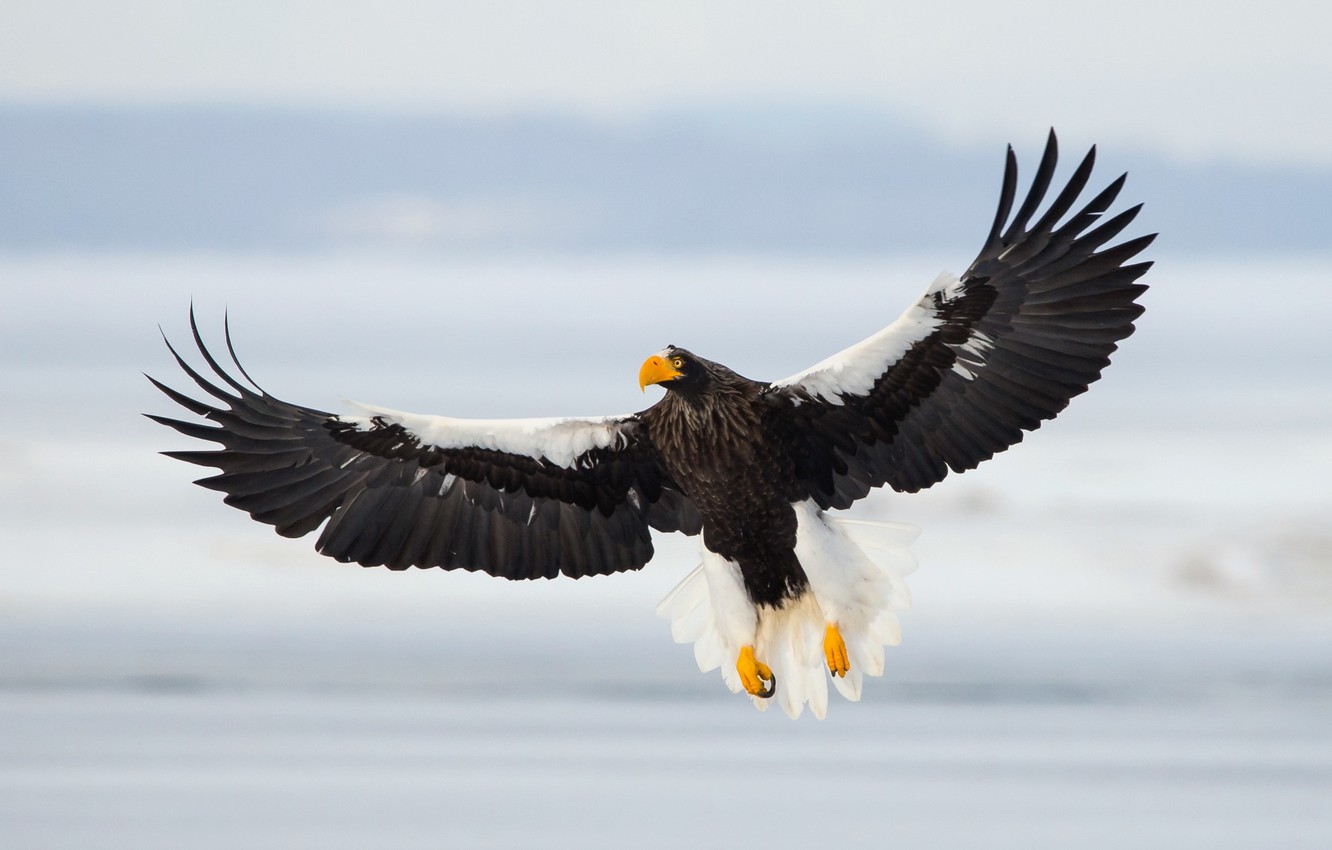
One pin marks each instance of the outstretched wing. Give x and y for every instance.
(977, 360)
(520, 499)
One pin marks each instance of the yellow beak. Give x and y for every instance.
(656, 370)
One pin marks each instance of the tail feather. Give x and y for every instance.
(791, 639)
(856, 571)
(710, 653)
(849, 686)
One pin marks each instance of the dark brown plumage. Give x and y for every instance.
(715, 440)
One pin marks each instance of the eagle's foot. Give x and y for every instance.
(834, 650)
(754, 674)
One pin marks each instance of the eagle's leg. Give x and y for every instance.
(834, 650)
(754, 673)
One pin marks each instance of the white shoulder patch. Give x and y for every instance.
(853, 371)
(558, 440)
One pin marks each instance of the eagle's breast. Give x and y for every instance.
(718, 449)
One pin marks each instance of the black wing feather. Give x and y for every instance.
(384, 498)
(1031, 324)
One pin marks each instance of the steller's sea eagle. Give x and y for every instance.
(784, 592)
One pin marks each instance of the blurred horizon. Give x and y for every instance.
(1242, 82)
(789, 177)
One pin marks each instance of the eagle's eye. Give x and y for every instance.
(677, 362)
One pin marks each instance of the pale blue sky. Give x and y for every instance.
(1242, 80)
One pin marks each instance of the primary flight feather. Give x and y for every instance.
(786, 599)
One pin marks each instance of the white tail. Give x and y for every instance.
(855, 570)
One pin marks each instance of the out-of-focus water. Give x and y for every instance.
(226, 735)
(1120, 635)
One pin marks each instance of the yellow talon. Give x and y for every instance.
(753, 674)
(834, 649)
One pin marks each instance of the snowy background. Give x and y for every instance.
(1121, 630)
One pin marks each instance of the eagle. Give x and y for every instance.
(788, 597)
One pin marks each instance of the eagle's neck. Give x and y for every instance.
(719, 424)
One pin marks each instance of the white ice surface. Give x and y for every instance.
(215, 735)
(1119, 635)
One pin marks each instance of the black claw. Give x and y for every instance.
(770, 690)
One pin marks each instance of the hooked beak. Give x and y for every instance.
(656, 370)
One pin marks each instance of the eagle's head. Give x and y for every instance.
(677, 370)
